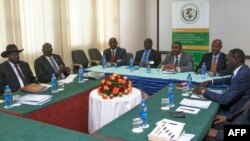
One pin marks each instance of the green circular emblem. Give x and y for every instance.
(189, 13)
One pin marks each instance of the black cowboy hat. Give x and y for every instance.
(9, 49)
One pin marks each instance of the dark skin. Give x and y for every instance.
(14, 57)
(216, 47)
(113, 45)
(148, 43)
(176, 50)
(47, 51)
(232, 64)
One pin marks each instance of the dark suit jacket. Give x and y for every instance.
(221, 63)
(8, 76)
(120, 56)
(44, 69)
(237, 94)
(185, 63)
(153, 56)
(242, 117)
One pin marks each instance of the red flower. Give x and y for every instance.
(114, 85)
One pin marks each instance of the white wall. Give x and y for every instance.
(132, 24)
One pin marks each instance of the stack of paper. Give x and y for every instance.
(35, 99)
(195, 103)
(166, 130)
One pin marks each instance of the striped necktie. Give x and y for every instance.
(53, 65)
(176, 63)
(21, 75)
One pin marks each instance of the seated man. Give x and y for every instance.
(50, 63)
(238, 91)
(242, 117)
(177, 60)
(215, 61)
(115, 55)
(149, 54)
(14, 72)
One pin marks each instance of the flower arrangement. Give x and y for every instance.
(114, 85)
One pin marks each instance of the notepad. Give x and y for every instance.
(195, 103)
(35, 99)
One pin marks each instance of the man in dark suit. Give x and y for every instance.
(215, 61)
(242, 117)
(177, 59)
(115, 55)
(14, 72)
(148, 54)
(50, 63)
(238, 91)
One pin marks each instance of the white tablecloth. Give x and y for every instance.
(103, 111)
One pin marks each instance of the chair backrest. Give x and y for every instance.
(79, 57)
(129, 55)
(95, 54)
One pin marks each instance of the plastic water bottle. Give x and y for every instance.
(8, 97)
(144, 114)
(104, 61)
(80, 75)
(131, 64)
(171, 95)
(189, 83)
(54, 84)
(203, 70)
(148, 67)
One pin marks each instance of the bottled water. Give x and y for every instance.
(148, 67)
(144, 114)
(104, 61)
(171, 95)
(54, 84)
(189, 83)
(8, 97)
(131, 64)
(203, 71)
(80, 75)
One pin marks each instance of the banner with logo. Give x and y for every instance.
(190, 26)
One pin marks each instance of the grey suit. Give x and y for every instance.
(185, 61)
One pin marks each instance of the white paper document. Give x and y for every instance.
(69, 79)
(186, 137)
(167, 130)
(195, 103)
(35, 99)
(189, 110)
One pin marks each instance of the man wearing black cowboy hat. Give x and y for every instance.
(14, 72)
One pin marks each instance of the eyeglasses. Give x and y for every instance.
(177, 114)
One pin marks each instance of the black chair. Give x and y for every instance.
(128, 56)
(95, 56)
(79, 58)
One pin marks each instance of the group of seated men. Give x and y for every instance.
(17, 73)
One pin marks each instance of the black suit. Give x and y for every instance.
(120, 55)
(44, 69)
(221, 63)
(153, 56)
(8, 76)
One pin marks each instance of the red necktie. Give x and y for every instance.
(112, 60)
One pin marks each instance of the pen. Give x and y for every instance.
(187, 109)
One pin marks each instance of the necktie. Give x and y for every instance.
(112, 60)
(21, 75)
(214, 66)
(54, 65)
(176, 61)
(144, 59)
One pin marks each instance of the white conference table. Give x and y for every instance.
(102, 111)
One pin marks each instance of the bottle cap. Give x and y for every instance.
(171, 85)
(7, 86)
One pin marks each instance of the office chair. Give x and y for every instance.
(95, 56)
(79, 58)
(128, 55)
